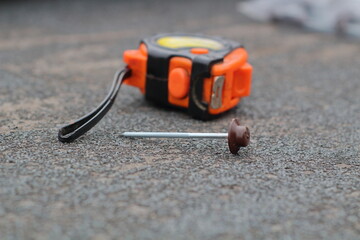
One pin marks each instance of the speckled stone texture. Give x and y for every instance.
(298, 179)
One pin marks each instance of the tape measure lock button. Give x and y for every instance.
(179, 81)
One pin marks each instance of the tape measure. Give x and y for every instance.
(204, 75)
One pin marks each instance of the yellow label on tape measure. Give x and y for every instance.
(176, 42)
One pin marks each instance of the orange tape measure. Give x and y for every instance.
(205, 75)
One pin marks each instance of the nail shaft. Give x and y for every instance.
(173, 135)
(237, 135)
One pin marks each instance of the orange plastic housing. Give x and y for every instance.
(136, 61)
(234, 68)
(237, 84)
(178, 86)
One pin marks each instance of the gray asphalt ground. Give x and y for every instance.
(298, 179)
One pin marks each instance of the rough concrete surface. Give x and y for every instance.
(298, 179)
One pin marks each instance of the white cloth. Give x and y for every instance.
(340, 16)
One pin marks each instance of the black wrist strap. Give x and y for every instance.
(74, 130)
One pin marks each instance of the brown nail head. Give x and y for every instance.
(238, 136)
